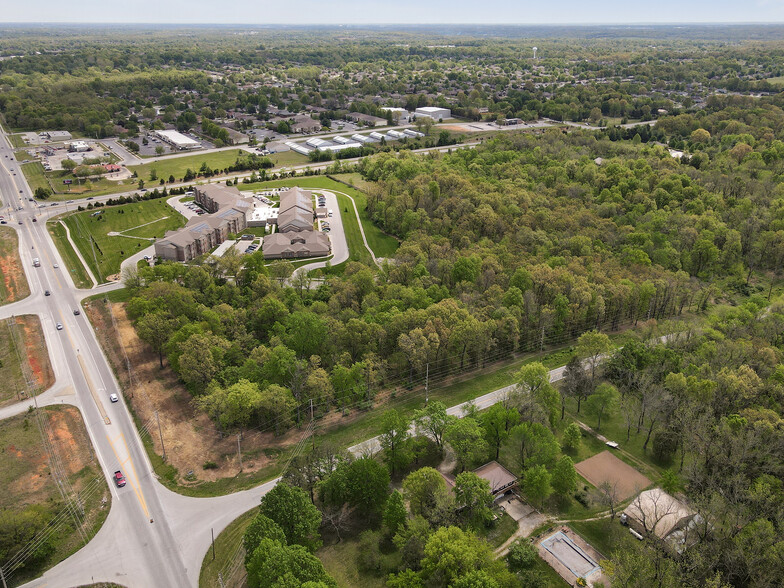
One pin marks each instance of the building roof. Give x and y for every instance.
(499, 477)
(300, 244)
(658, 512)
(177, 138)
(296, 210)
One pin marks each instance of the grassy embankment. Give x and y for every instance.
(219, 160)
(25, 369)
(139, 223)
(72, 263)
(13, 283)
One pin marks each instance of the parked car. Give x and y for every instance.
(119, 479)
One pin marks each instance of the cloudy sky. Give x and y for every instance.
(400, 11)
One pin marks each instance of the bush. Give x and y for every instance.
(522, 556)
(209, 465)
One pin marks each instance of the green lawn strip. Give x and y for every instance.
(106, 253)
(34, 173)
(225, 551)
(503, 528)
(340, 561)
(53, 181)
(177, 166)
(605, 535)
(115, 296)
(383, 245)
(16, 141)
(9, 249)
(72, 262)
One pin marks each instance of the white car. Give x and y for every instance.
(59, 326)
(114, 398)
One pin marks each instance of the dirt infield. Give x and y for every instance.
(605, 467)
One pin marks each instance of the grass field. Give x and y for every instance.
(30, 495)
(16, 140)
(23, 358)
(13, 283)
(777, 81)
(72, 263)
(225, 551)
(140, 223)
(53, 181)
(178, 166)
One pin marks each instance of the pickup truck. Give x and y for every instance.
(119, 479)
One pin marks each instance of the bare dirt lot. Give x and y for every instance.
(23, 337)
(28, 468)
(190, 437)
(605, 467)
(13, 284)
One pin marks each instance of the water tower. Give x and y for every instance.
(535, 50)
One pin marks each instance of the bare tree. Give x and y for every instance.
(609, 496)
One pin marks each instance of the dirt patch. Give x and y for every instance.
(189, 436)
(14, 284)
(23, 337)
(25, 462)
(605, 467)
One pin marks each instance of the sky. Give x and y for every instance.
(330, 12)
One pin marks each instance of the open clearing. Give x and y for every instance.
(139, 222)
(13, 284)
(30, 493)
(220, 160)
(22, 337)
(605, 467)
(53, 180)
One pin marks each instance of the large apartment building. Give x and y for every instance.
(228, 210)
(295, 236)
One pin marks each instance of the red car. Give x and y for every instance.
(119, 479)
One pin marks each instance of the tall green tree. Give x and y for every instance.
(466, 438)
(394, 438)
(291, 509)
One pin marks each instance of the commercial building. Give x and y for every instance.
(229, 214)
(434, 112)
(366, 119)
(178, 140)
(57, 135)
(78, 147)
(302, 123)
(399, 115)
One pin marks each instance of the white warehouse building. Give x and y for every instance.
(434, 112)
(178, 140)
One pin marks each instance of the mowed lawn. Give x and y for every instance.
(220, 160)
(140, 224)
(38, 178)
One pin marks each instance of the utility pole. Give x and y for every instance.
(212, 532)
(220, 579)
(160, 434)
(312, 428)
(427, 383)
(2, 577)
(239, 450)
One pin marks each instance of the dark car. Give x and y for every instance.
(47, 293)
(119, 479)
(76, 312)
(35, 220)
